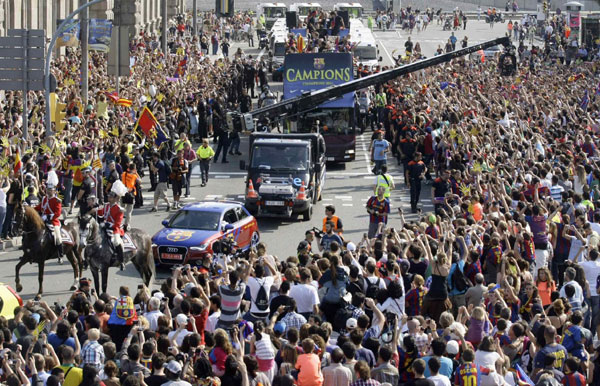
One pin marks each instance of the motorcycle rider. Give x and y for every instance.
(112, 214)
(50, 208)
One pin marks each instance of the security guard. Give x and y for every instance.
(386, 180)
(330, 216)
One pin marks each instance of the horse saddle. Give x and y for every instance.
(66, 237)
(128, 245)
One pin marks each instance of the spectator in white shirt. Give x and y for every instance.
(570, 274)
(305, 295)
(434, 367)
(215, 313)
(153, 313)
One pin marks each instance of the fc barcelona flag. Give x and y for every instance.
(224, 8)
(148, 124)
(123, 312)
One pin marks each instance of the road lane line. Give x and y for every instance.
(365, 151)
(386, 52)
(222, 176)
(347, 204)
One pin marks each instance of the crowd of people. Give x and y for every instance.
(497, 285)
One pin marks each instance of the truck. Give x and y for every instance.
(271, 12)
(285, 174)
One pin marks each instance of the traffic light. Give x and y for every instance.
(57, 112)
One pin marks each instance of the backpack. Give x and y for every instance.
(262, 299)
(340, 318)
(372, 288)
(459, 281)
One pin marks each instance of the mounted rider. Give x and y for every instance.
(112, 214)
(50, 208)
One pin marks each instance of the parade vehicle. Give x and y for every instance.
(304, 9)
(286, 174)
(277, 44)
(191, 232)
(271, 12)
(335, 120)
(365, 49)
(355, 10)
(303, 103)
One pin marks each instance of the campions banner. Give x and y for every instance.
(309, 72)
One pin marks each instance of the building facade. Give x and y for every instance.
(43, 14)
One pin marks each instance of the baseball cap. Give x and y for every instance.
(181, 319)
(351, 323)
(452, 347)
(174, 366)
(351, 247)
(280, 327)
(404, 263)
(159, 295)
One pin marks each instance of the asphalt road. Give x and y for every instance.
(348, 187)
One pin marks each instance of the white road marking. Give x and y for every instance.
(386, 52)
(327, 199)
(365, 152)
(213, 196)
(260, 54)
(222, 176)
(343, 197)
(347, 204)
(241, 196)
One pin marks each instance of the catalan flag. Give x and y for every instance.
(124, 102)
(97, 164)
(18, 163)
(113, 96)
(148, 124)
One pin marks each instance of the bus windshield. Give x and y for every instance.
(365, 52)
(337, 121)
(274, 12)
(353, 12)
(305, 11)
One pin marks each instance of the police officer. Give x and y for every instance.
(386, 180)
(51, 209)
(416, 173)
(88, 187)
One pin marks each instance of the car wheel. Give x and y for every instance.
(307, 214)
(254, 240)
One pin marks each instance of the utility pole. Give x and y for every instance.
(117, 19)
(165, 24)
(195, 17)
(84, 25)
(58, 31)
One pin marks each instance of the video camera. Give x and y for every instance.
(228, 247)
(319, 233)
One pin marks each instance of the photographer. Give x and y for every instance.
(328, 237)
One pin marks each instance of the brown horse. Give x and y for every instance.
(38, 246)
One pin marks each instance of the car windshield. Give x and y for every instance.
(199, 220)
(279, 157)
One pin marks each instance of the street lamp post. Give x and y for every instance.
(58, 31)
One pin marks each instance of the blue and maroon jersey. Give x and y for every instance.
(469, 374)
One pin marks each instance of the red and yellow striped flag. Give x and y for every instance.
(124, 102)
(97, 164)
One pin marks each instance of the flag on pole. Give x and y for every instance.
(18, 163)
(113, 96)
(124, 102)
(181, 67)
(148, 124)
(522, 376)
(97, 164)
(585, 100)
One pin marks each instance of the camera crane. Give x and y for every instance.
(310, 100)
